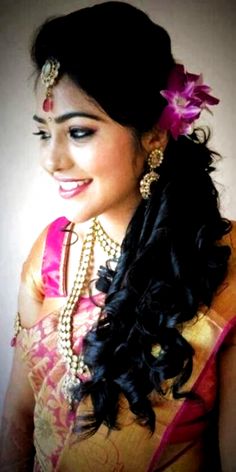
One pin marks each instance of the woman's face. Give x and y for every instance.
(95, 161)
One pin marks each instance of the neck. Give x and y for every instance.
(116, 224)
(115, 229)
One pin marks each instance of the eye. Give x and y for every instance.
(42, 134)
(80, 133)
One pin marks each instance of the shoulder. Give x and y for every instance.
(229, 288)
(223, 308)
(230, 238)
(230, 281)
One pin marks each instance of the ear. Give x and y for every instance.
(156, 138)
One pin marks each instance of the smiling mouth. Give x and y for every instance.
(70, 189)
(68, 186)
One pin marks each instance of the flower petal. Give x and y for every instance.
(187, 96)
(177, 78)
(169, 95)
(191, 112)
(167, 117)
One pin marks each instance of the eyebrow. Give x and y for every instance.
(68, 116)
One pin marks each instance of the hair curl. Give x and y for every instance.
(172, 263)
(172, 257)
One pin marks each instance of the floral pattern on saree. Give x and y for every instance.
(52, 418)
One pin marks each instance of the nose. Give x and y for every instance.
(56, 157)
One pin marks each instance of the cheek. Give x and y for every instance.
(138, 165)
(118, 169)
(103, 161)
(111, 159)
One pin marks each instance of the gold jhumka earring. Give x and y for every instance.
(155, 159)
(48, 76)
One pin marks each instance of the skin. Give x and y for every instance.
(90, 147)
(98, 149)
(79, 141)
(95, 148)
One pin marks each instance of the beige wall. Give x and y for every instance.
(203, 35)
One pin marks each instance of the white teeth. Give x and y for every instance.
(72, 185)
(69, 185)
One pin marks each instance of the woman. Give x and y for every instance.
(127, 306)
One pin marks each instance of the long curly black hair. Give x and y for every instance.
(172, 257)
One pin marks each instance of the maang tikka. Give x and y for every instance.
(155, 159)
(49, 74)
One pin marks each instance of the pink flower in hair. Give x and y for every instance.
(187, 96)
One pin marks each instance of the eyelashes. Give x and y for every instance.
(74, 133)
(41, 134)
(80, 133)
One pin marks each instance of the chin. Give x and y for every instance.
(75, 214)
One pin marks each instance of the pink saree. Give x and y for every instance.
(178, 442)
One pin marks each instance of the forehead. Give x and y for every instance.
(67, 96)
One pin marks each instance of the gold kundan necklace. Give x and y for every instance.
(75, 363)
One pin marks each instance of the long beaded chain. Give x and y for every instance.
(75, 363)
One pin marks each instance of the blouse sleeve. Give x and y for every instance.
(230, 339)
(31, 274)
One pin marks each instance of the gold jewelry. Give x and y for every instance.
(155, 159)
(75, 363)
(111, 247)
(48, 76)
(156, 350)
(17, 329)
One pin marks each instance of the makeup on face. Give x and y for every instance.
(94, 160)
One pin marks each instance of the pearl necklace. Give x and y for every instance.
(75, 363)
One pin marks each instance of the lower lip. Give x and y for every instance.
(72, 193)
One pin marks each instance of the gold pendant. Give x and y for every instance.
(68, 385)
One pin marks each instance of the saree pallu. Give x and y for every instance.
(179, 441)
